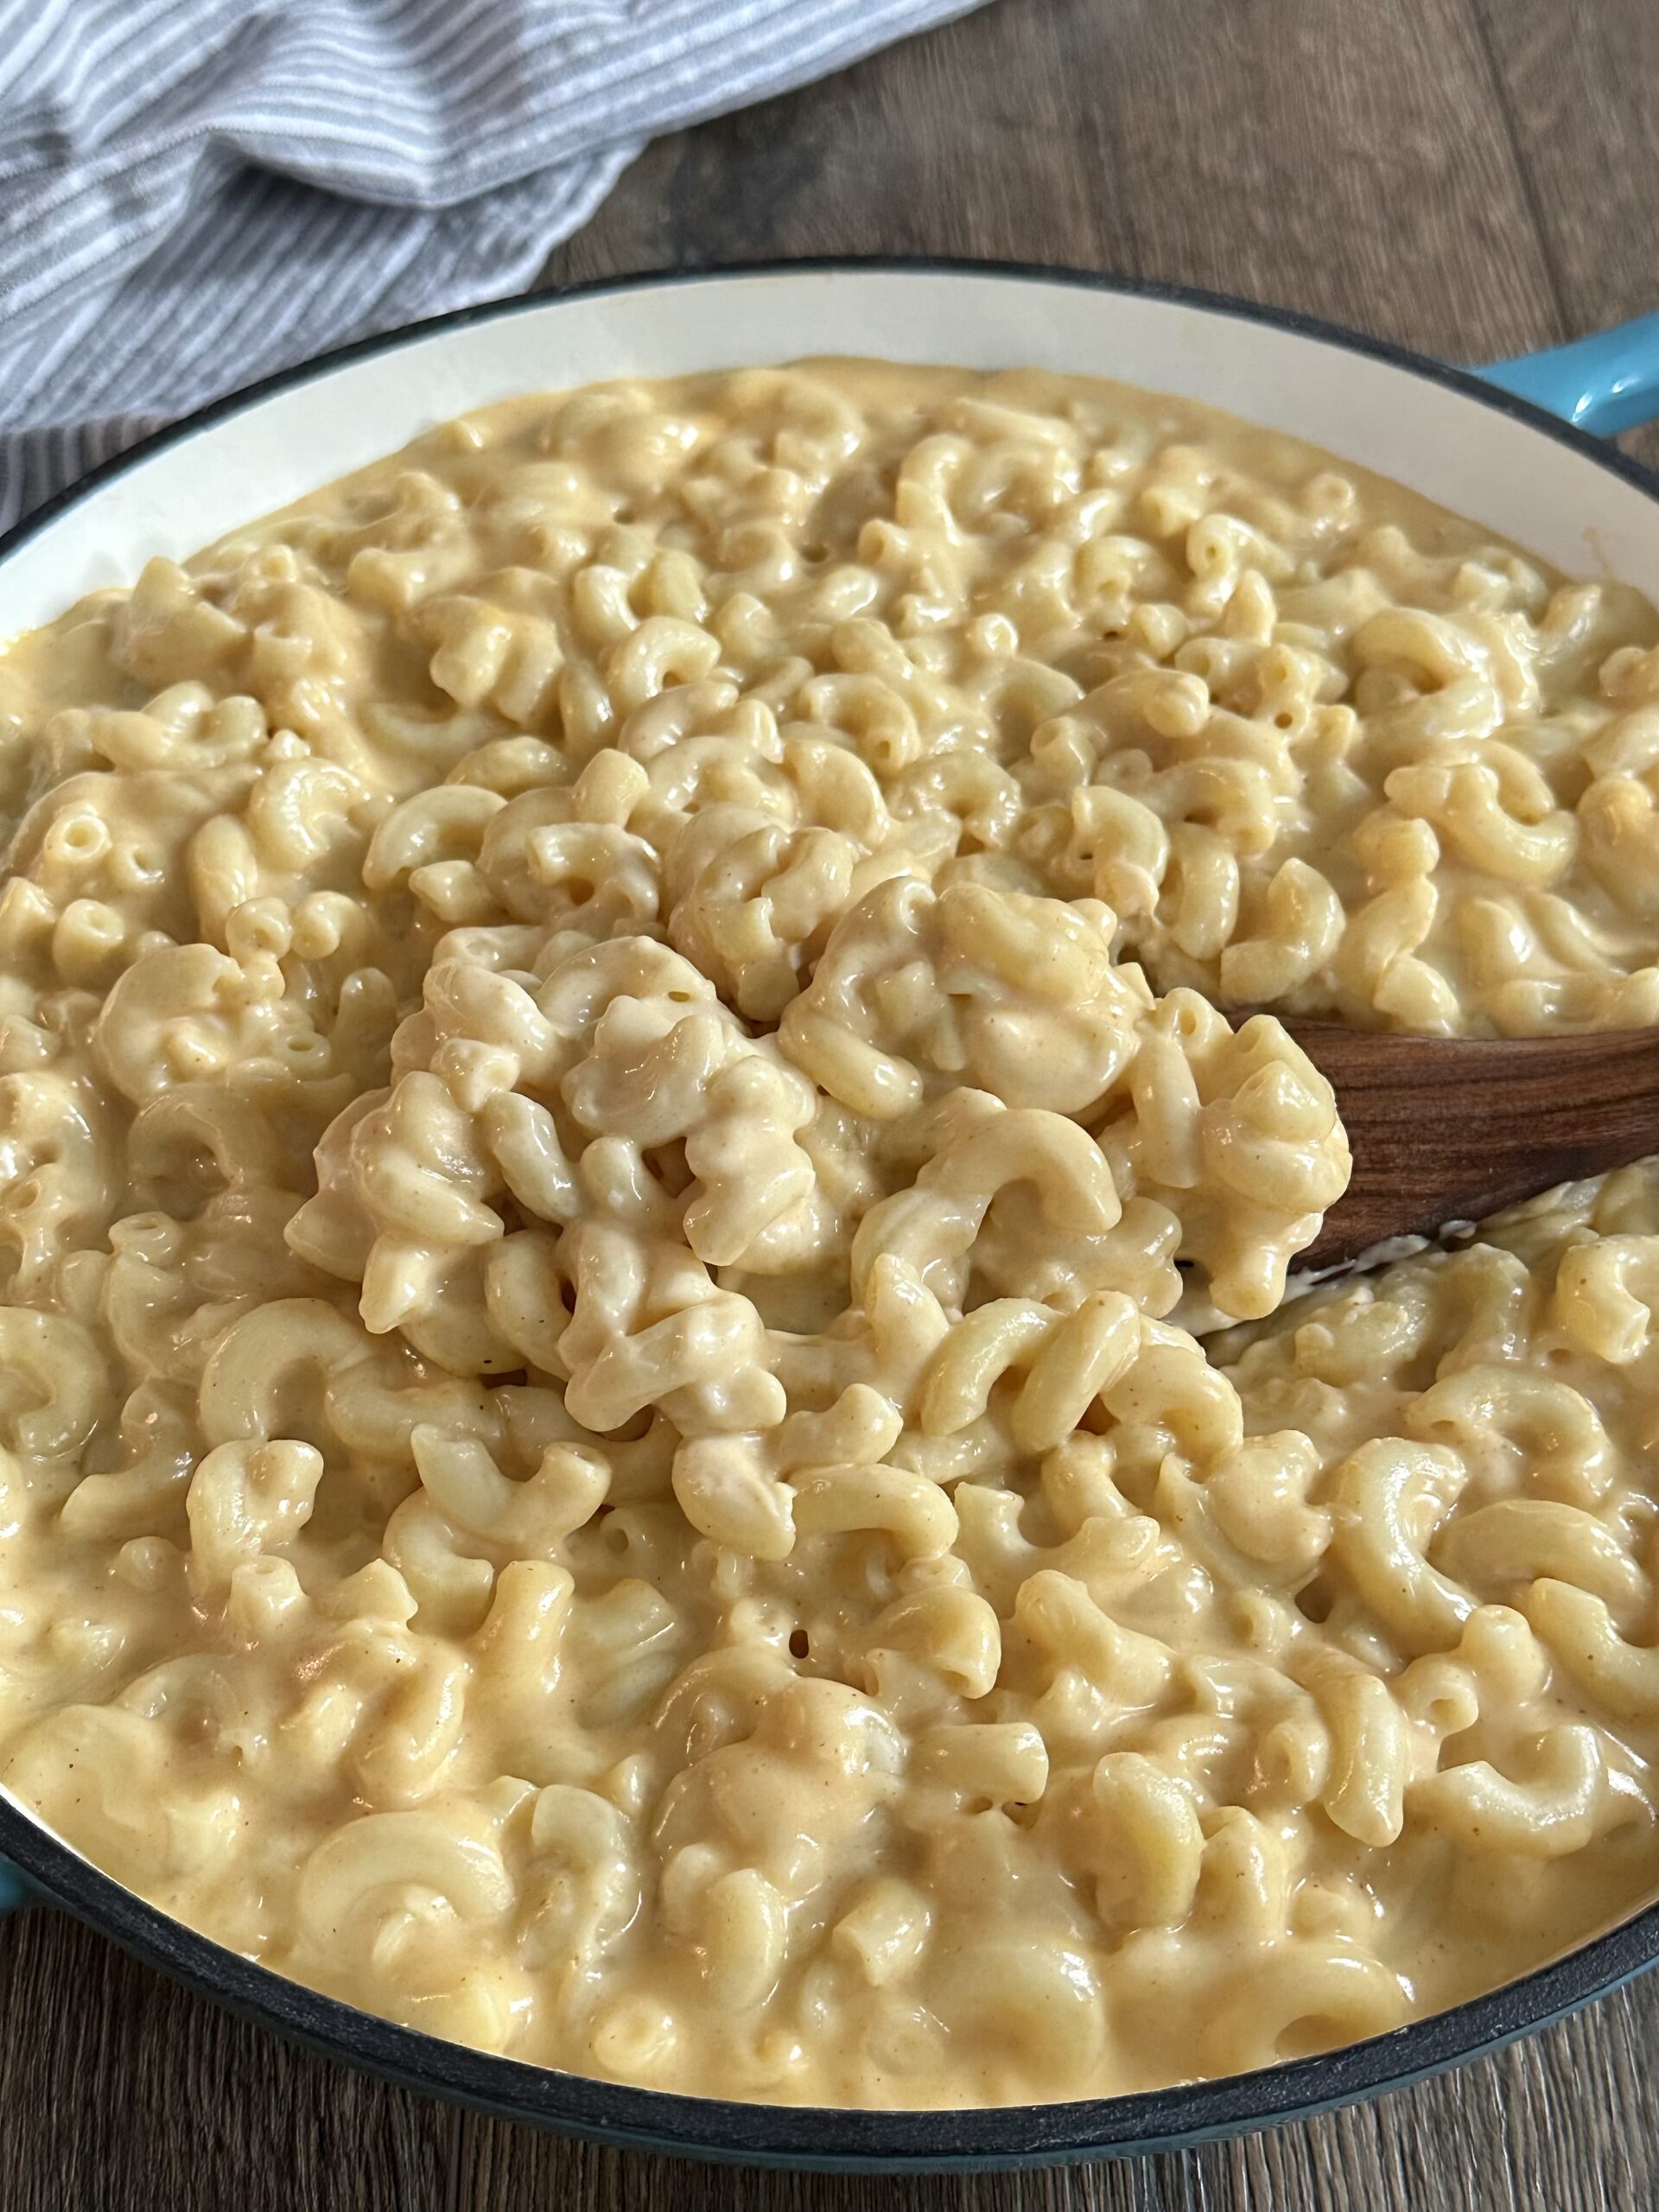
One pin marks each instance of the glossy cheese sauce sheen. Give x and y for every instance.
(611, 1097)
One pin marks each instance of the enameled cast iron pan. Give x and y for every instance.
(1465, 439)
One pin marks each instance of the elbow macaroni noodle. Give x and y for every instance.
(611, 1072)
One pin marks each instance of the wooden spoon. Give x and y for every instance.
(1451, 1129)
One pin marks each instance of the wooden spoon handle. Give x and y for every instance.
(1453, 1128)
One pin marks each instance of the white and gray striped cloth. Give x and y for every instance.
(193, 192)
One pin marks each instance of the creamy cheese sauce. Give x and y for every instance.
(610, 1082)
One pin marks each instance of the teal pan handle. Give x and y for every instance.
(1606, 383)
(15, 1888)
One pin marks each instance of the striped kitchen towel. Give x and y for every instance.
(193, 192)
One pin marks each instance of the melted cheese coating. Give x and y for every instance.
(610, 1078)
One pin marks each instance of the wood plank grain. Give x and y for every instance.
(1350, 160)
(1470, 176)
(1575, 86)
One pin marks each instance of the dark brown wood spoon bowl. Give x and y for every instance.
(1452, 1129)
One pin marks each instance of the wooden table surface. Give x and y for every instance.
(1473, 177)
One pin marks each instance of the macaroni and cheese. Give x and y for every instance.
(619, 1040)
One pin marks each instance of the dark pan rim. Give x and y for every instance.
(817, 2138)
(791, 2135)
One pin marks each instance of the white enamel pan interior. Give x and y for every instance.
(1476, 452)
